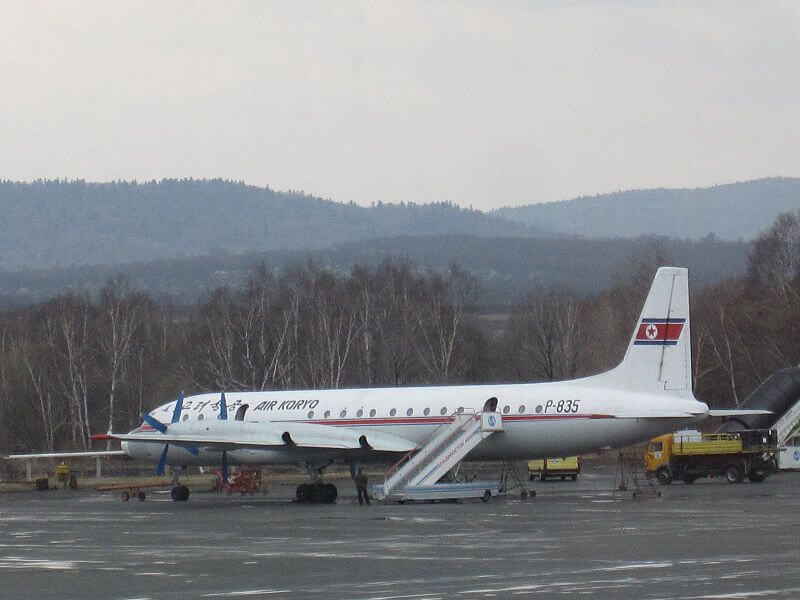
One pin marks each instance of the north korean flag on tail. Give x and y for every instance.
(659, 332)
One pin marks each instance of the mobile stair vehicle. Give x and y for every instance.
(418, 475)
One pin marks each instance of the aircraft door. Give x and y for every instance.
(490, 405)
(241, 412)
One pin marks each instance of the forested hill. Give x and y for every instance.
(731, 212)
(506, 269)
(59, 223)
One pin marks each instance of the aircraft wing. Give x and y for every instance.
(229, 435)
(86, 454)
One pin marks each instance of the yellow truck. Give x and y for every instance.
(567, 466)
(689, 455)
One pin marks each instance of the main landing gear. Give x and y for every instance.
(179, 493)
(316, 492)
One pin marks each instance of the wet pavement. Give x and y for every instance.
(707, 540)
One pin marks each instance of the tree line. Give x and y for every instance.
(80, 364)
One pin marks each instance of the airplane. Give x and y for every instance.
(648, 394)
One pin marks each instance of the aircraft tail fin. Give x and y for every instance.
(659, 357)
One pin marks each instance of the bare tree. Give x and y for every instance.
(118, 319)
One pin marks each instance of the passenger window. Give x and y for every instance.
(327, 414)
(200, 417)
(426, 412)
(506, 408)
(185, 416)
(521, 409)
(343, 414)
(392, 412)
(443, 411)
(410, 412)
(360, 412)
(311, 414)
(372, 413)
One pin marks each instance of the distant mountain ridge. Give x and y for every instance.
(731, 211)
(59, 223)
(56, 224)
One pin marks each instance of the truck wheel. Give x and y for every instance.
(574, 477)
(732, 474)
(487, 495)
(664, 476)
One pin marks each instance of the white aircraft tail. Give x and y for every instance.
(659, 355)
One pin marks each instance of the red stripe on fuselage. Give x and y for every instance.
(440, 420)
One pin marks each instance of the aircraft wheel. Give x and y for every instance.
(303, 493)
(487, 495)
(179, 493)
(331, 493)
(319, 493)
(141, 496)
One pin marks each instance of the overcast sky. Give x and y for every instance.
(480, 103)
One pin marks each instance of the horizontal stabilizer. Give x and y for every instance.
(736, 412)
(654, 414)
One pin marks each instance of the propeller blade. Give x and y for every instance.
(223, 408)
(162, 463)
(225, 467)
(154, 423)
(176, 414)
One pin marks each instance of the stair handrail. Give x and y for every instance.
(790, 418)
(408, 455)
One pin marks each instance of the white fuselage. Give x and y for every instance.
(539, 420)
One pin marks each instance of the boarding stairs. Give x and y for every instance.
(422, 468)
(787, 425)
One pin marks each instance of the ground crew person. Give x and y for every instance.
(361, 487)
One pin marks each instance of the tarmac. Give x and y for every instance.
(706, 540)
